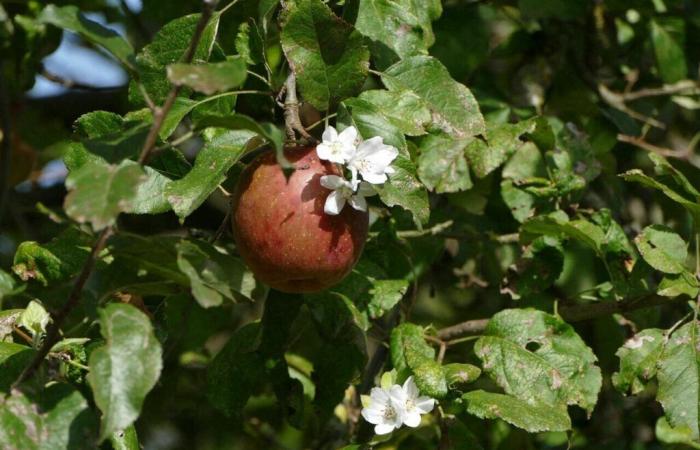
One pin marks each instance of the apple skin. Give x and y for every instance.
(280, 228)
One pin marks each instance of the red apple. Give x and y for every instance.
(281, 230)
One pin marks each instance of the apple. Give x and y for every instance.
(281, 230)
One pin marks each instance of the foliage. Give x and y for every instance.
(532, 263)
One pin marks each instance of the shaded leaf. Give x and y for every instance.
(442, 165)
(326, 54)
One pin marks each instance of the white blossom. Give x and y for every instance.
(345, 191)
(391, 406)
(414, 404)
(384, 409)
(337, 148)
(373, 160)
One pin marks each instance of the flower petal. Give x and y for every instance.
(383, 156)
(369, 146)
(383, 428)
(409, 386)
(334, 203)
(412, 419)
(424, 404)
(329, 134)
(379, 395)
(348, 136)
(372, 177)
(358, 202)
(373, 416)
(332, 181)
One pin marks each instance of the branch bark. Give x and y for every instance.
(53, 332)
(573, 313)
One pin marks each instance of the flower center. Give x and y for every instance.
(389, 413)
(410, 404)
(336, 148)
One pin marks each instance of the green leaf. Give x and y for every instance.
(403, 189)
(7, 286)
(326, 54)
(679, 379)
(638, 358)
(167, 47)
(408, 347)
(403, 109)
(457, 374)
(668, 40)
(126, 368)
(532, 417)
(453, 107)
(237, 371)
(442, 165)
(684, 283)
(14, 358)
(502, 141)
(62, 419)
(384, 294)
(99, 192)
(430, 379)
(662, 249)
(125, 439)
(537, 357)
(34, 318)
(556, 225)
(209, 78)
(540, 266)
(398, 29)
(669, 435)
(57, 260)
(70, 18)
(214, 276)
(332, 374)
(222, 149)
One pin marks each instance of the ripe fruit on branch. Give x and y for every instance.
(281, 230)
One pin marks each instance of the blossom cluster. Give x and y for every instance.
(390, 407)
(369, 159)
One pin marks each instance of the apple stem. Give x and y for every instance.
(291, 111)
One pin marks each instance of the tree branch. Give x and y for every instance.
(663, 151)
(161, 113)
(53, 332)
(573, 313)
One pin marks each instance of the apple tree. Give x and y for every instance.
(325, 224)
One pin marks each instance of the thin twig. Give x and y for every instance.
(72, 84)
(161, 113)
(667, 89)
(6, 145)
(617, 101)
(663, 151)
(574, 313)
(222, 227)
